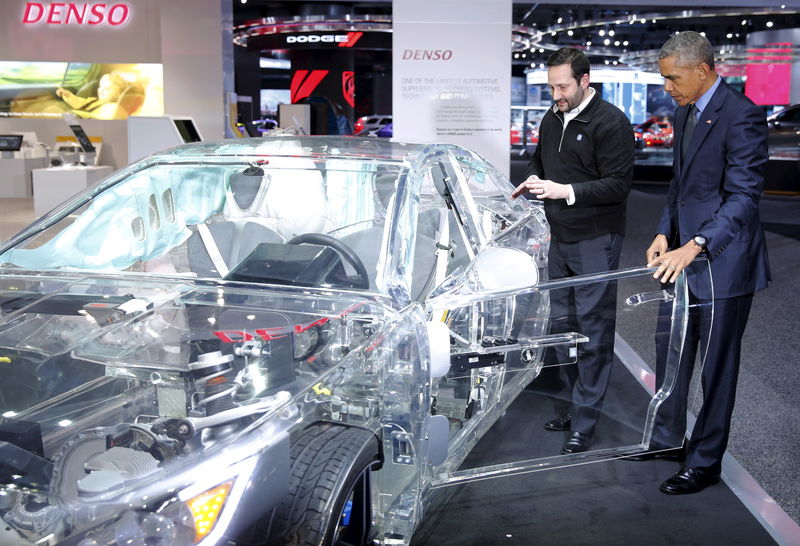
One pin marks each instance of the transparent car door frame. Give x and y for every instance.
(464, 295)
(449, 474)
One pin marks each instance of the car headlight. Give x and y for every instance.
(199, 514)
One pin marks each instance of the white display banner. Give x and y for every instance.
(451, 72)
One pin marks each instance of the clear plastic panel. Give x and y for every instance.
(596, 363)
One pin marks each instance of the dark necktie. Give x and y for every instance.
(688, 129)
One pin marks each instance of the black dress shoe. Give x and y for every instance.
(562, 422)
(667, 454)
(688, 480)
(578, 442)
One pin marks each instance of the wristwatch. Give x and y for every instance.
(700, 241)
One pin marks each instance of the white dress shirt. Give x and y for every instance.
(569, 116)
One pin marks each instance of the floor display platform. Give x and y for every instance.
(613, 502)
(53, 186)
(15, 175)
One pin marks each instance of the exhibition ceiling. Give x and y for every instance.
(609, 33)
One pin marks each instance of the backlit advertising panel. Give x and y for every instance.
(451, 80)
(87, 90)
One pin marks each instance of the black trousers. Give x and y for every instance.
(718, 335)
(589, 310)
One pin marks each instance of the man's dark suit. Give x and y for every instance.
(715, 193)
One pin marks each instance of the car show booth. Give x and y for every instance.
(341, 338)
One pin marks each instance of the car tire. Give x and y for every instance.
(331, 465)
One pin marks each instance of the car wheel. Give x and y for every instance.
(329, 495)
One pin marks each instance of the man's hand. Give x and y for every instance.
(542, 189)
(657, 248)
(525, 186)
(670, 264)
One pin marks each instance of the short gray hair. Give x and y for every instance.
(690, 48)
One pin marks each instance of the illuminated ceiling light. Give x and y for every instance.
(553, 33)
(606, 61)
(559, 20)
(541, 50)
(769, 24)
(616, 43)
(783, 6)
(602, 32)
(533, 65)
(614, 63)
(703, 34)
(570, 33)
(737, 34)
(643, 20)
(744, 22)
(541, 65)
(606, 41)
(243, 1)
(588, 43)
(64, 423)
(653, 21)
(516, 55)
(625, 43)
(9, 414)
(610, 32)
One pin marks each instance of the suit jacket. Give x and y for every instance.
(715, 193)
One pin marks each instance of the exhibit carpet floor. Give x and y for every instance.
(608, 503)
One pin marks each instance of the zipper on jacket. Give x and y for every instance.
(564, 129)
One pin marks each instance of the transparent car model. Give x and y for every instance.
(287, 340)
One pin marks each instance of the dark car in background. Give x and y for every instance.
(784, 127)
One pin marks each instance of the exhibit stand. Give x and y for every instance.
(53, 186)
(16, 174)
(148, 135)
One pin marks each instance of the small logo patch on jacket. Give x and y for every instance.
(579, 137)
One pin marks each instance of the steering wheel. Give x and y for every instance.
(361, 279)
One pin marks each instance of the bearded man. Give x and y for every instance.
(582, 169)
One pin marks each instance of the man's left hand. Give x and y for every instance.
(672, 263)
(547, 189)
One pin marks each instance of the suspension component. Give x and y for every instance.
(214, 382)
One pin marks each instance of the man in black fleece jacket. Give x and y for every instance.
(582, 169)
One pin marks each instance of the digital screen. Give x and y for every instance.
(187, 130)
(10, 143)
(88, 90)
(83, 140)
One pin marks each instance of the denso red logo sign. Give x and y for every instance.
(76, 13)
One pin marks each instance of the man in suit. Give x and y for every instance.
(719, 157)
(582, 169)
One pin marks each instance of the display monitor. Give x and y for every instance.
(83, 140)
(10, 143)
(187, 129)
(29, 139)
